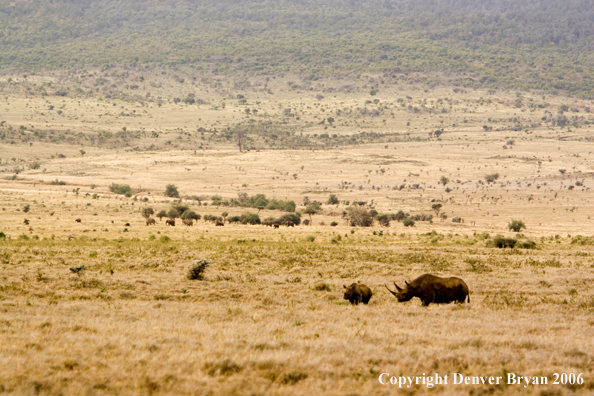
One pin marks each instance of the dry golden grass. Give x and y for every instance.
(132, 323)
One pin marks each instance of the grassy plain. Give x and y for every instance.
(131, 323)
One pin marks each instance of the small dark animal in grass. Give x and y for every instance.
(151, 221)
(357, 293)
(276, 225)
(78, 220)
(290, 224)
(219, 223)
(188, 222)
(433, 289)
(170, 223)
(127, 224)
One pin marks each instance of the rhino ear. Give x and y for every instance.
(397, 288)
(344, 286)
(407, 285)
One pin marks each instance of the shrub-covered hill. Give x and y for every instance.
(539, 44)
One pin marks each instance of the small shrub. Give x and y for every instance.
(197, 269)
(408, 222)
(516, 225)
(226, 367)
(333, 224)
(492, 177)
(582, 240)
(383, 219)
(526, 244)
(439, 264)
(78, 270)
(322, 286)
(476, 265)
(332, 200)
(58, 183)
(310, 238)
(164, 239)
(505, 299)
(502, 242)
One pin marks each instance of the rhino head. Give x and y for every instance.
(401, 294)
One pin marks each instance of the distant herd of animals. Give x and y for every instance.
(429, 288)
(217, 222)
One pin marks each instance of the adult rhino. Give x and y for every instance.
(433, 289)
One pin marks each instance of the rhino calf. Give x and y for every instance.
(433, 289)
(357, 293)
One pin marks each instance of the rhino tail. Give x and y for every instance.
(468, 296)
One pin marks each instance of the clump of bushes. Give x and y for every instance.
(359, 217)
(294, 217)
(258, 201)
(250, 218)
(504, 242)
(197, 269)
(121, 189)
(408, 222)
(582, 240)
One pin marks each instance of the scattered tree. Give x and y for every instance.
(161, 214)
(311, 209)
(171, 191)
(516, 225)
(436, 207)
(147, 212)
(359, 216)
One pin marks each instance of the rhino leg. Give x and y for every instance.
(428, 300)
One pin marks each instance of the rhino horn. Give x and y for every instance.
(397, 288)
(394, 293)
(407, 285)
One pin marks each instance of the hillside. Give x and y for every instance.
(527, 44)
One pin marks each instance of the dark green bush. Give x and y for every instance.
(294, 217)
(408, 222)
(499, 241)
(121, 189)
(196, 271)
(250, 218)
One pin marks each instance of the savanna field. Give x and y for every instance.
(298, 147)
(105, 306)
